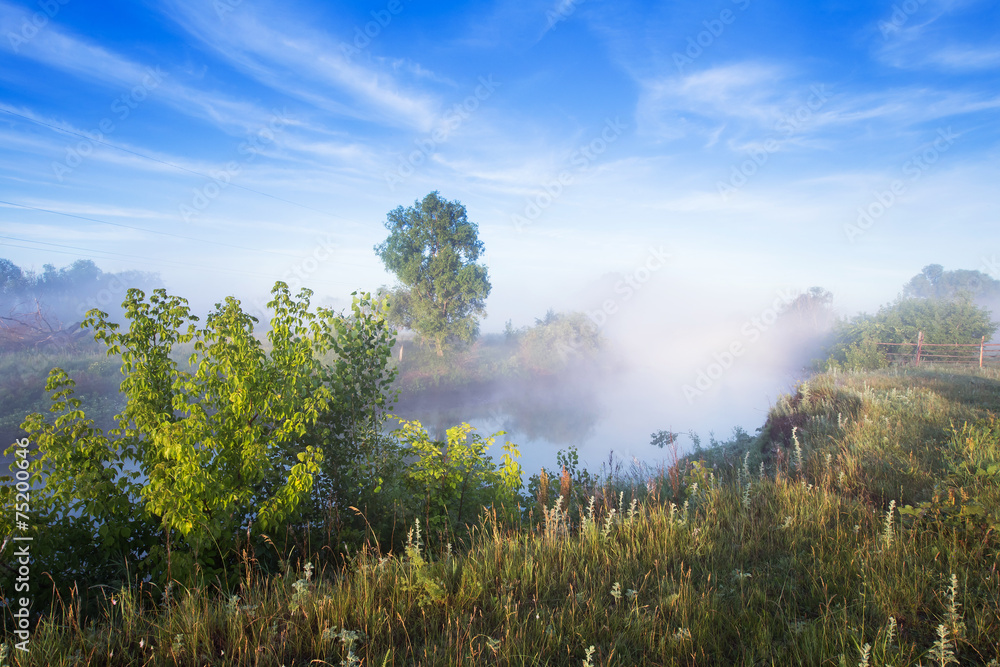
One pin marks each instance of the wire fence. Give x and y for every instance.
(980, 353)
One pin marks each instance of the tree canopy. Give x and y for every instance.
(41, 309)
(933, 282)
(247, 436)
(955, 320)
(433, 249)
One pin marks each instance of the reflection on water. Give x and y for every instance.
(541, 416)
(614, 413)
(563, 412)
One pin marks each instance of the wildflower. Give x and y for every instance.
(887, 531)
(682, 634)
(865, 654)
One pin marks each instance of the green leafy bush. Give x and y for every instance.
(897, 325)
(204, 455)
(455, 478)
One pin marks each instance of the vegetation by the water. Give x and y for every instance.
(557, 345)
(432, 248)
(946, 307)
(241, 502)
(860, 527)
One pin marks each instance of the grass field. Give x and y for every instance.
(861, 527)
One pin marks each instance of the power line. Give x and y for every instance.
(169, 164)
(143, 229)
(154, 231)
(145, 259)
(119, 254)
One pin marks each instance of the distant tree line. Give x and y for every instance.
(946, 306)
(37, 309)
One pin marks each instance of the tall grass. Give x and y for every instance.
(880, 548)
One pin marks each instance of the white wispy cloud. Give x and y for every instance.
(290, 57)
(915, 36)
(676, 106)
(88, 61)
(747, 104)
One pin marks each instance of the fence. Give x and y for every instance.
(955, 353)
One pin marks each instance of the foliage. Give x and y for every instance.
(24, 373)
(778, 566)
(558, 340)
(865, 355)
(456, 477)
(558, 345)
(432, 248)
(34, 308)
(204, 454)
(812, 309)
(569, 481)
(941, 321)
(663, 438)
(357, 455)
(933, 282)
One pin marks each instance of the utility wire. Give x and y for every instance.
(145, 259)
(169, 164)
(154, 231)
(144, 229)
(119, 254)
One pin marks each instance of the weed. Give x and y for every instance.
(798, 449)
(888, 531)
(942, 652)
(865, 655)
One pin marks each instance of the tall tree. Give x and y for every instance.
(432, 248)
(933, 282)
(814, 308)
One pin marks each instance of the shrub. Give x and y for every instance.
(203, 455)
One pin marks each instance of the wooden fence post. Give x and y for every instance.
(920, 344)
(981, 346)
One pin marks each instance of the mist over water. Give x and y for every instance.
(668, 362)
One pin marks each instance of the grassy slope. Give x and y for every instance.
(802, 561)
(22, 385)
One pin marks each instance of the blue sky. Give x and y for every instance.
(763, 146)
